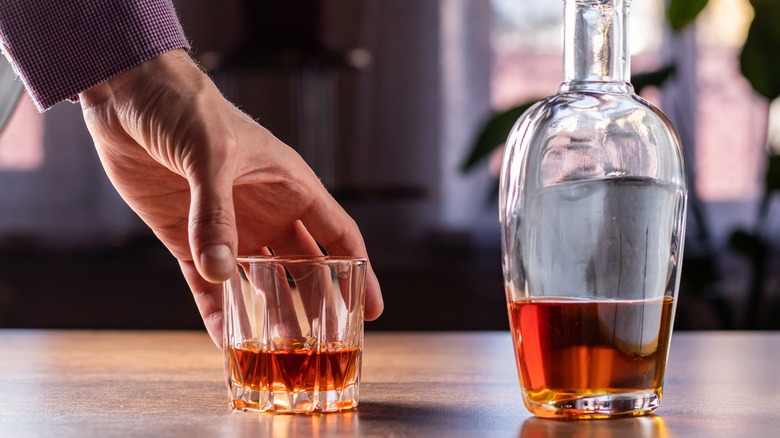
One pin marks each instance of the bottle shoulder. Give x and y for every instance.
(594, 103)
(581, 135)
(595, 112)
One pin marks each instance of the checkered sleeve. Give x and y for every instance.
(62, 47)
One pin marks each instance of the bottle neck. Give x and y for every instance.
(595, 48)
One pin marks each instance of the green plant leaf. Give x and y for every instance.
(681, 13)
(652, 78)
(759, 59)
(493, 134)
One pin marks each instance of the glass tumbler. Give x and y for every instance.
(293, 333)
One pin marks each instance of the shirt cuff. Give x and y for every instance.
(62, 47)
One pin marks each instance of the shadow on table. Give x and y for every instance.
(421, 419)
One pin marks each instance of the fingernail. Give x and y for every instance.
(217, 262)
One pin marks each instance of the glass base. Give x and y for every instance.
(596, 406)
(283, 402)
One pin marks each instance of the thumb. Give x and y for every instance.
(212, 225)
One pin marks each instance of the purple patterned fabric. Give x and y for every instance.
(62, 47)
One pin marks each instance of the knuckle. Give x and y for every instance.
(211, 219)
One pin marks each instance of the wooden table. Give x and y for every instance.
(170, 384)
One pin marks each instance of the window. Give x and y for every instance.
(731, 120)
(21, 141)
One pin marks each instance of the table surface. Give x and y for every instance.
(170, 384)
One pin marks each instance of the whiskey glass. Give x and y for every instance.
(293, 333)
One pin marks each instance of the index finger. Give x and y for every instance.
(338, 233)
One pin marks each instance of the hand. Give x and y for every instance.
(209, 181)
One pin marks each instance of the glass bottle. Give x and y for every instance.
(592, 204)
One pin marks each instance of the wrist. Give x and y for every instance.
(174, 62)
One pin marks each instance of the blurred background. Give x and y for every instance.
(386, 100)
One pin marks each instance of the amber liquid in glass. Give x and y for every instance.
(568, 349)
(294, 370)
